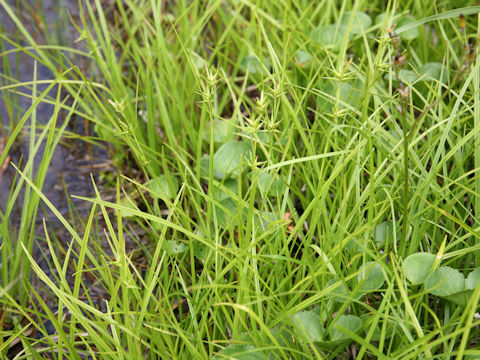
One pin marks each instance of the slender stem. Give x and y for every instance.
(405, 180)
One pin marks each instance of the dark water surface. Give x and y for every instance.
(71, 165)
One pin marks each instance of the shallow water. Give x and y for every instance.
(70, 165)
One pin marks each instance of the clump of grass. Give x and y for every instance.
(276, 197)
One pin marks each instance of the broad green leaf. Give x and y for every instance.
(358, 245)
(252, 65)
(225, 212)
(308, 326)
(303, 58)
(461, 298)
(240, 352)
(270, 184)
(329, 35)
(416, 267)
(220, 191)
(200, 250)
(163, 187)
(382, 233)
(379, 19)
(229, 157)
(371, 276)
(407, 76)
(205, 167)
(284, 337)
(222, 131)
(360, 21)
(265, 219)
(349, 322)
(346, 92)
(434, 71)
(340, 293)
(473, 280)
(172, 247)
(445, 281)
(409, 33)
(128, 203)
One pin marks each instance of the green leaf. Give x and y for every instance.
(252, 65)
(240, 352)
(284, 337)
(349, 322)
(360, 21)
(128, 203)
(200, 250)
(163, 187)
(265, 218)
(329, 35)
(416, 267)
(434, 71)
(270, 184)
(172, 247)
(225, 212)
(445, 281)
(407, 76)
(308, 326)
(404, 27)
(371, 277)
(346, 92)
(340, 293)
(303, 58)
(379, 19)
(229, 157)
(222, 131)
(382, 233)
(378, 331)
(445, 15)
(220, 191)
(461, 298)
(205, 167)
(473, 280)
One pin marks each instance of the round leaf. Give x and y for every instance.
(229, 157)
(240, 352)
(340, 293)
(379, 19)
(303, 58)
(371, 277)
(221, 191)
(163, 187)
(416, 267)
(347, 93)
(225, 212)
(407, 76)
(349, 322)
(130, 204)
(308, 326)
(434, 71)
(252, 65)
(329, 35)
(360, 21)
(445, 281)
(382, 233)
(222, 130)
(473, 280)
(174, 247)
(270, 184)
(411, 33)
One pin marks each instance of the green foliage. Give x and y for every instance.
(265, 158)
